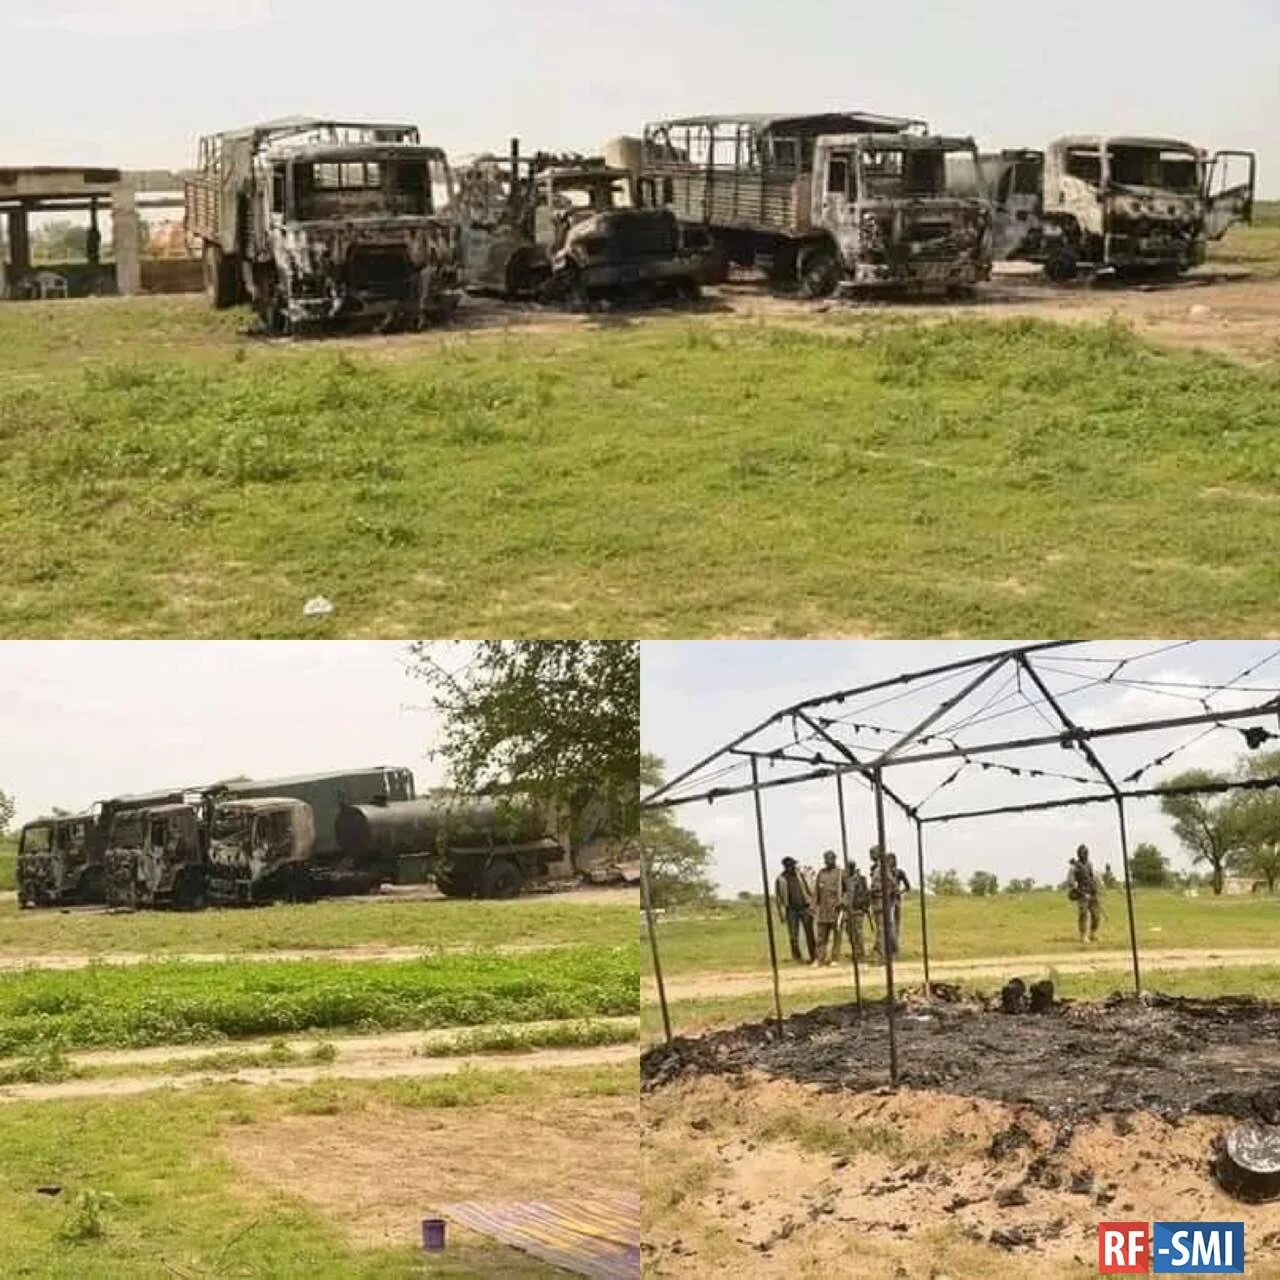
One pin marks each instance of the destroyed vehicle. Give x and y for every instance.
(566, 229)
(317, 221)
(155, 858)
(261, 850)
(843, 201)
(1132, 206)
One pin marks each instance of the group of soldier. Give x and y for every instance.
(819, 907)
(835, 901)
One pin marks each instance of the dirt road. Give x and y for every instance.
(366, 1058)
(712, 986)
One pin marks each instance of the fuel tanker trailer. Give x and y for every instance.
(474, 847)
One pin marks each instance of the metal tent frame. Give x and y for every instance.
(835, 758)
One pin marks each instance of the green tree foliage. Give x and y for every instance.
(7, 810)
(1255, 820)
(1206, 825)
(679, 863)
(1026, 885)
(556, 720)
(946, 884)
(1149, 867)
(982, 884)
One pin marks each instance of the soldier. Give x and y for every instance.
(828, 894)
(1082, 889)
(793, 895)
(896, 883)
(857, 908)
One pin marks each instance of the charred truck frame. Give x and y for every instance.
(565, 228)
(845, 200)
(317, 220)
(1135, 206)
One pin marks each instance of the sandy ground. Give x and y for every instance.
(712, 986)
(376, 1173)
(369, 1058)
(774, 1178)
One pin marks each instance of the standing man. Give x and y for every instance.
(793, 895)
(857, 908)
(828, 895)
(1082, 889)
(896, 883)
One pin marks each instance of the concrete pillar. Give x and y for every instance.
(126, 228)
(19, 241)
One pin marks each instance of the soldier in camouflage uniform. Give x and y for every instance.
(896, 883)
(857, 909)
(1082, 889)
(828, 894)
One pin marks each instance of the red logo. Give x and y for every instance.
(1124, 1248)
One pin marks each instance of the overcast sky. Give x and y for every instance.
(698, 696)
(80, 722)
(134, 82)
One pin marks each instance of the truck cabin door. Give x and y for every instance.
(1018, 200)
(837, 189)
(1230, 181)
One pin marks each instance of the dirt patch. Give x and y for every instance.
(376, 1174)
(775, 1178)
(1170, 1056)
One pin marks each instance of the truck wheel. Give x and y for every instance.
(502, 878)
(188, 893)
(817, 271)
(453, 881)
(220, 285)
(1062, 266)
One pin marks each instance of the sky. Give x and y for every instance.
(697, 696)
(135, 82)
(80, 722)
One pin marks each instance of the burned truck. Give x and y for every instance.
(845, 201)
(566, 229)
(155, 857)
(1131, 206)
(316, 221)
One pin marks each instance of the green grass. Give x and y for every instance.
(8, 863)
(566, 1035)
(177, 1003)
(1256, 247)
(162, 475)
(527, 922)
(966, 928)
(181, 1208)
(691, 1017)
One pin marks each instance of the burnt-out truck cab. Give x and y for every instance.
(261, 849)
(156, 857)
(1135, 206)
(60, 861)
(566, 229)
(839, 201)
(35, 873)
(316, 221)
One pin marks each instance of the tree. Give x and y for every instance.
(1149, 867)
(1020, 886)
(1206, 826)
(679, 863)
(555, 720)
(1255, 822)
(7, 809)
(982, 884)
(946, 884)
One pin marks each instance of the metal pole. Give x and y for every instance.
(647, 897)
(853, 932)
(924, 909)
(768, 897)
(1128, 897)
(886, 920)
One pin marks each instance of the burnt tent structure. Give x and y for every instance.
(1074, 724)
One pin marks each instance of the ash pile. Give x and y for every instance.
(1064, 1059)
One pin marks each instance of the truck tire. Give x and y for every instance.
(453, 879)
(817, 270)
(220, 284)
(502, 878)
(1062, 266)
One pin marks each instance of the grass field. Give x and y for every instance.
(180, 1207)
(965, 928)
(176, 1003)
(438, 923)
(8, 863)
(1256, 247)
(164, 475)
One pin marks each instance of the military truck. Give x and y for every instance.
(565, 228)
(844, 201)
(314, 221)
(1133, 206)
(62, 860)
(243, 841)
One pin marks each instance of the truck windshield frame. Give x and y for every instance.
(360, 188)
(1155, 167)
(897, 172)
